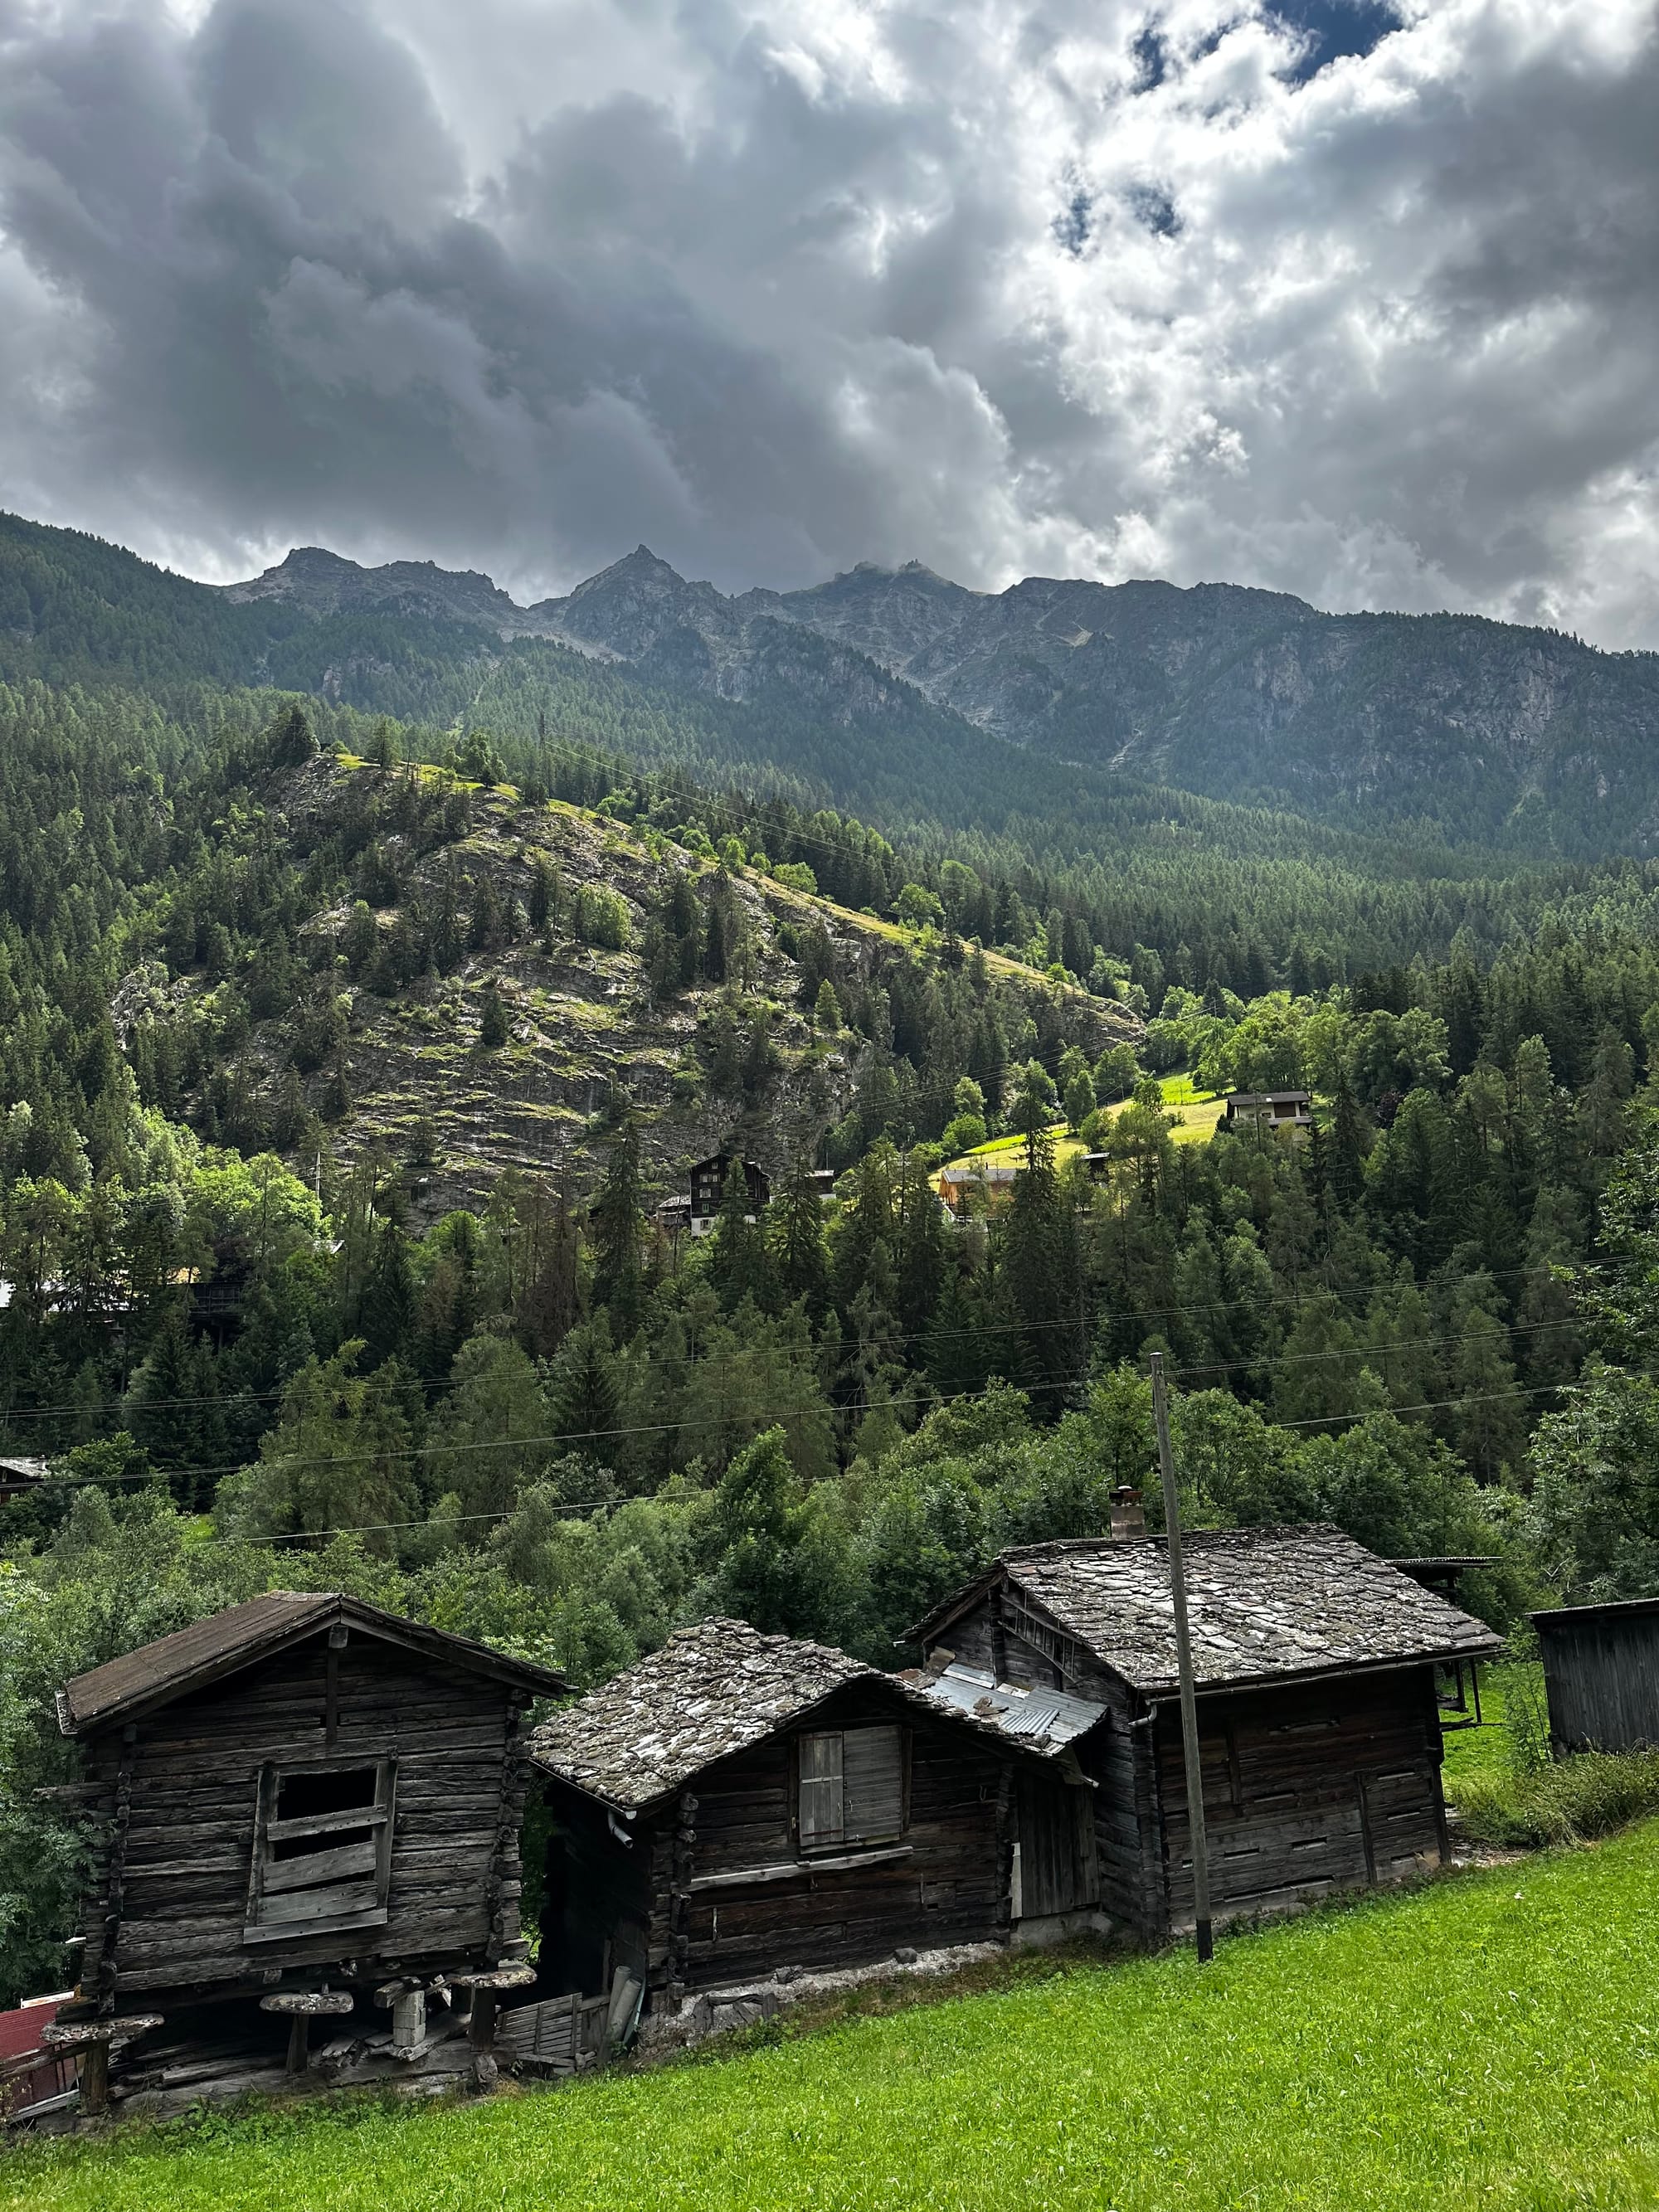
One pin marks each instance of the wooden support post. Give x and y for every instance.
(481, 2033)
(298, 2044)
(1184, 1665)
(94, 2072)
(486, 1986)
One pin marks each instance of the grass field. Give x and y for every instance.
(1491, 2040)
(1194, 1113)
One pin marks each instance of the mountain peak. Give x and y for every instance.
(313, 561)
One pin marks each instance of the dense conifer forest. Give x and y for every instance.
(262, 1331)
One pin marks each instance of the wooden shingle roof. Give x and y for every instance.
(1263, 1604)
(226, 1641)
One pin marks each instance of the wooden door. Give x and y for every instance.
(1056, 1848)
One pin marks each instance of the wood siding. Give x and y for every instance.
(1306, 1789)
(949, 1884)
(1331, 1786)
(717, 1890)
(170, 1893)
(1602, 1678)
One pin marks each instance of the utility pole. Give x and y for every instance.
(1184, 1665)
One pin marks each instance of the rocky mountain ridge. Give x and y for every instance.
(556, 920)
(1220, 689)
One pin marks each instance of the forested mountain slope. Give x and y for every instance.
(464, 980)
(907, 696)
(343, 1062)
(1211, 888)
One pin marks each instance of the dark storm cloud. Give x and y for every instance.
(1353, 299)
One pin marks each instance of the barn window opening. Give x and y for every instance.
(322, 1849)
(852, 1786)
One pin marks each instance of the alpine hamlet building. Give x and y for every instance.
(301, 1798)
(1601, 1674)
(708, 1181)
(1318, 1719)
(1285, 1113)
(739, 1803)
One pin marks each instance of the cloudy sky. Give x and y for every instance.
(1355, 298)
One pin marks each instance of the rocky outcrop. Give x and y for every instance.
(1490, 729)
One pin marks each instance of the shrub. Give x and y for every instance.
(1588, 1794)
(601, 918)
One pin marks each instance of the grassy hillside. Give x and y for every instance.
(1488, 2041)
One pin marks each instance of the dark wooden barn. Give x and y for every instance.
(1318, 1719)
(1601, 1674)
(739, 1803)
(304, 1805)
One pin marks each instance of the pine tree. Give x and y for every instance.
(494, 1028)
(616, 1220)
(584, 1394)
(794, 1228)
(386, 1313)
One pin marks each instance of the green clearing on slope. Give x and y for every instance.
(1491, 2040)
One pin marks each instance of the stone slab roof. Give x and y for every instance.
(722, 1686)
(1263, 1604)
(712, 1690)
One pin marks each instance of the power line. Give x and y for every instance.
(604, 1505)
(1102, 1316)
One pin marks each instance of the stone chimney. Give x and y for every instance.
(1128, 1515)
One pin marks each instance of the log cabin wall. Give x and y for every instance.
(171, 1892)
(1308, 1790)
(944, 1882)
(999, 1634)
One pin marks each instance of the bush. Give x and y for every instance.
(601, 918)
(1588, 1794)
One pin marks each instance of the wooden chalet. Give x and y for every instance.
(739, 1805)
(1319, 1724)
(708, 1192)
(305, 1807)
(1285, 1113)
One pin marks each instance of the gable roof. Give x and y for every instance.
(710, 1691)
(226, 1641)
(722, 1688)
(1263, 1604)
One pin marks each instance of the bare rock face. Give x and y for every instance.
(1497, 731)
(585, 1018)
(322, 584)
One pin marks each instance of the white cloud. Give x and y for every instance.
(777, 285)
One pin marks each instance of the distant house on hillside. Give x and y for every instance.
(1318, 1720)
(19, 1476)
(1284, 1113)
(305, 1805)
(992, 1181)
(708, 1180)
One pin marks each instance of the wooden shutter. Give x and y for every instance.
(821, 1813)
(324, 1863)
(872, 1784)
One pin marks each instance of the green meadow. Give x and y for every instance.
(1489, 2040)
